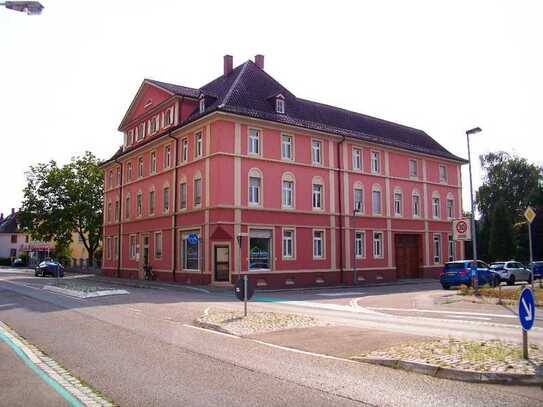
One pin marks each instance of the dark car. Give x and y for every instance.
(49, 267)
(537, 268)
(456, 273)
(18, 263)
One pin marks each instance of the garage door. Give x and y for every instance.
(407, 256)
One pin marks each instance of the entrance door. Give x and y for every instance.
(407, 256)
(222, 264)
(145, 251)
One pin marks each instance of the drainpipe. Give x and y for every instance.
(340, 203)
(174, 205)
(120, 221)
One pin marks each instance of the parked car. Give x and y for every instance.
(458, 272)
(18, 262)
(537, 268)
(49, 267)
(511, 272)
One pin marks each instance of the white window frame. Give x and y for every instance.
(360, 244)
(127, 206)
(451, 247)
(398, 202)
(153, 162)
(108, 248)
(450, 207)
(280, 105)
(357, 159)
(254, 141)
(415, 173)
(287, 194)
(129, 171)
(436, 209)
(197, 191)
(202, 105)
(152, 200)
(141, 164)
(443, 177)
(378, 245)
(375, 160)
(185, 150)
(316, 239)
(437, 248)
(158, 237)
(317, 197)
(287, 143)
(415, 208)
(374, 212)
(168, 113)
(284, 247)
(140, 132)
(198, 144)
(254, 192)
(139, 204)
(316, 152)
(167, 156)
(358, 206)
(132, 243)
(166, 199)
(183, 195)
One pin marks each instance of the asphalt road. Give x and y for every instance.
(139, 350)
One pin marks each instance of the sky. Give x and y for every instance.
(68, 76)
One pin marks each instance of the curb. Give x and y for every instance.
(394, 283)
(454, 374)
(82, 294)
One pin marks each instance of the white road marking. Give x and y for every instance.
(303, 352)
(470, 317)
(211, 331)
(340, 294)
(430, 311)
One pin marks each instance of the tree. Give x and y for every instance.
(61, 200)
(501, 243)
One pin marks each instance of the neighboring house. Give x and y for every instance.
(14, 243)
(319, 195)
(79, 257)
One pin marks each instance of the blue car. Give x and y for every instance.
(49, 267)
(456, 273)
(537, 268)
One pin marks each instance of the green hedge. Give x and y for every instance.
(5, 261)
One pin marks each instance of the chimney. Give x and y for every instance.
(13, 211)
(1, 217)
(259, 61)
(228, 64)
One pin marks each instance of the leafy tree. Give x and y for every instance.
(60, 200)
(501, 243)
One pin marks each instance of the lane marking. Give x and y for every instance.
(303, 352)
(481, 314)
(72, 401)
(211, 331)
(470, 317)
(341, 294)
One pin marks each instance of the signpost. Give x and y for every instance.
(529, 214)
(244, 291)
(526, 315)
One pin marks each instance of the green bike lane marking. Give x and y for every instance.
(72, 401)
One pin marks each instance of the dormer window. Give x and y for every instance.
(141, 132)
(167, 117)
(202, 104)
(280, 104)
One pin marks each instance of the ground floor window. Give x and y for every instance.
(260, 249)
(451, 248)
(377, 244)
(437, 249)
(116, 247)
(191, 250)
(158, 245)
(359, 244)
(288, 243)
(132, 245)
(318, 244)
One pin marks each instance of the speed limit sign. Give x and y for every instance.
(462, 229)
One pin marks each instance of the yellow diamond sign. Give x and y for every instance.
(529, 214)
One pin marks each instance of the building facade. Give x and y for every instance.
(242, 177)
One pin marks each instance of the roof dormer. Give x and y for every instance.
(202, 103)
(280, 103)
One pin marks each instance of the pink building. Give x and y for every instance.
(317, 195)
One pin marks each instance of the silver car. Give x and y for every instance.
(511, 271)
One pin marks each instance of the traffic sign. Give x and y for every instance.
(462, 229)
(192, 238)
(529, 214)
(239, 289)
(526, 309)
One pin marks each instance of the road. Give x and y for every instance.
(140, 349)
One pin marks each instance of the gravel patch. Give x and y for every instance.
(478, 356)
(234, 322)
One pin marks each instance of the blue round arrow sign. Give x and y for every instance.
(526, 309)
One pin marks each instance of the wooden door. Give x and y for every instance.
(407, 256)
(222, 264)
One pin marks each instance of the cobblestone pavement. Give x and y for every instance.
(479, 356)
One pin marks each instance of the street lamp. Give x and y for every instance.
(473, 231)
(28, 7)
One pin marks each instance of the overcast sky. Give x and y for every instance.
(68, 76)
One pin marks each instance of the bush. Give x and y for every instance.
(5, 261)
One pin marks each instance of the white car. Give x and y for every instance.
(511, 271)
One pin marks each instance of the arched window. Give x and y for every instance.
(317, 193)
(166, 198)
(436, 205)
(254, 196)
(197, 189)
(287, 190)
(152, 200)
(398, 202)
(376, 200)
(415, 203)
(358, 197)
(127, 206)
(450, 206)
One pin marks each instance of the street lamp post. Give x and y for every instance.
(28, 7)
(475, 277)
